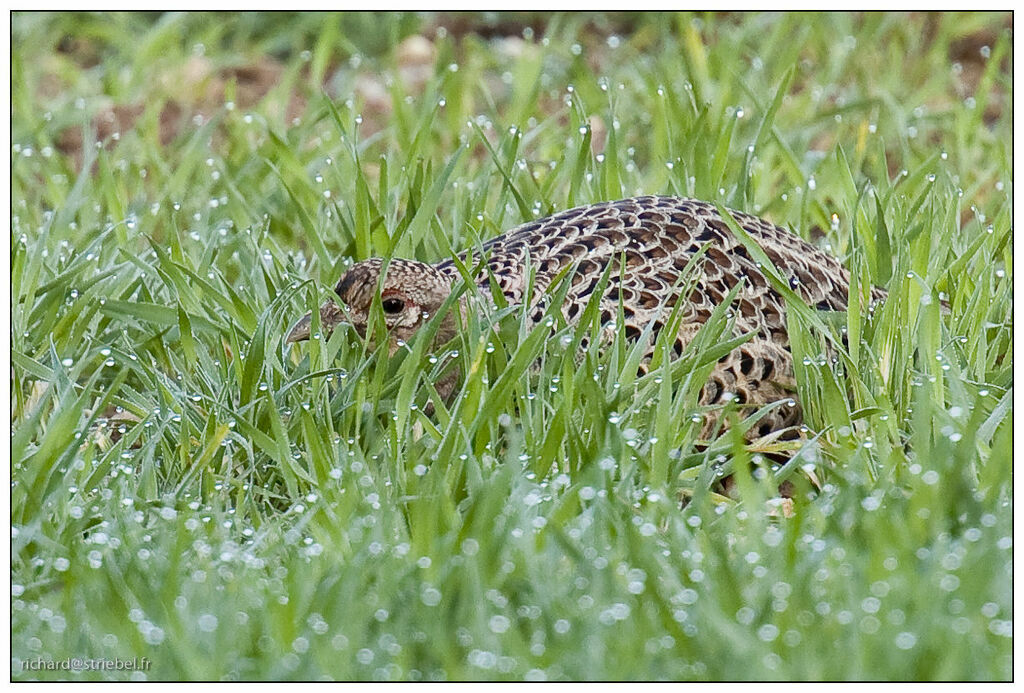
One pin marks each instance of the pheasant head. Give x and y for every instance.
(410, 294)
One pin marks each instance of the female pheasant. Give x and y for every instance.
(656, 237)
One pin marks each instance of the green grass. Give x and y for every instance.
(188, 489)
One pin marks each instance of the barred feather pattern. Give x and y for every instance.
(655, 237)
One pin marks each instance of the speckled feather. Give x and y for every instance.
(657, 236)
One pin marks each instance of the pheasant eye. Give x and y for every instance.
(392, 305)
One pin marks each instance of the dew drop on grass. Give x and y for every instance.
(905, 640)
(989, 609)
(768, 632)
(745, 615)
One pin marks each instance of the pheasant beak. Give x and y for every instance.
(330, 317)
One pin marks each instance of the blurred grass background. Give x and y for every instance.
(187, 489)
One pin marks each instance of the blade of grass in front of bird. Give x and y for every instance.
(793, 301)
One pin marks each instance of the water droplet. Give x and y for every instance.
(906, 640)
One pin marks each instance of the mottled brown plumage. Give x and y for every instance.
(656, 237)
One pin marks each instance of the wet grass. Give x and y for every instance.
(187, 489)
